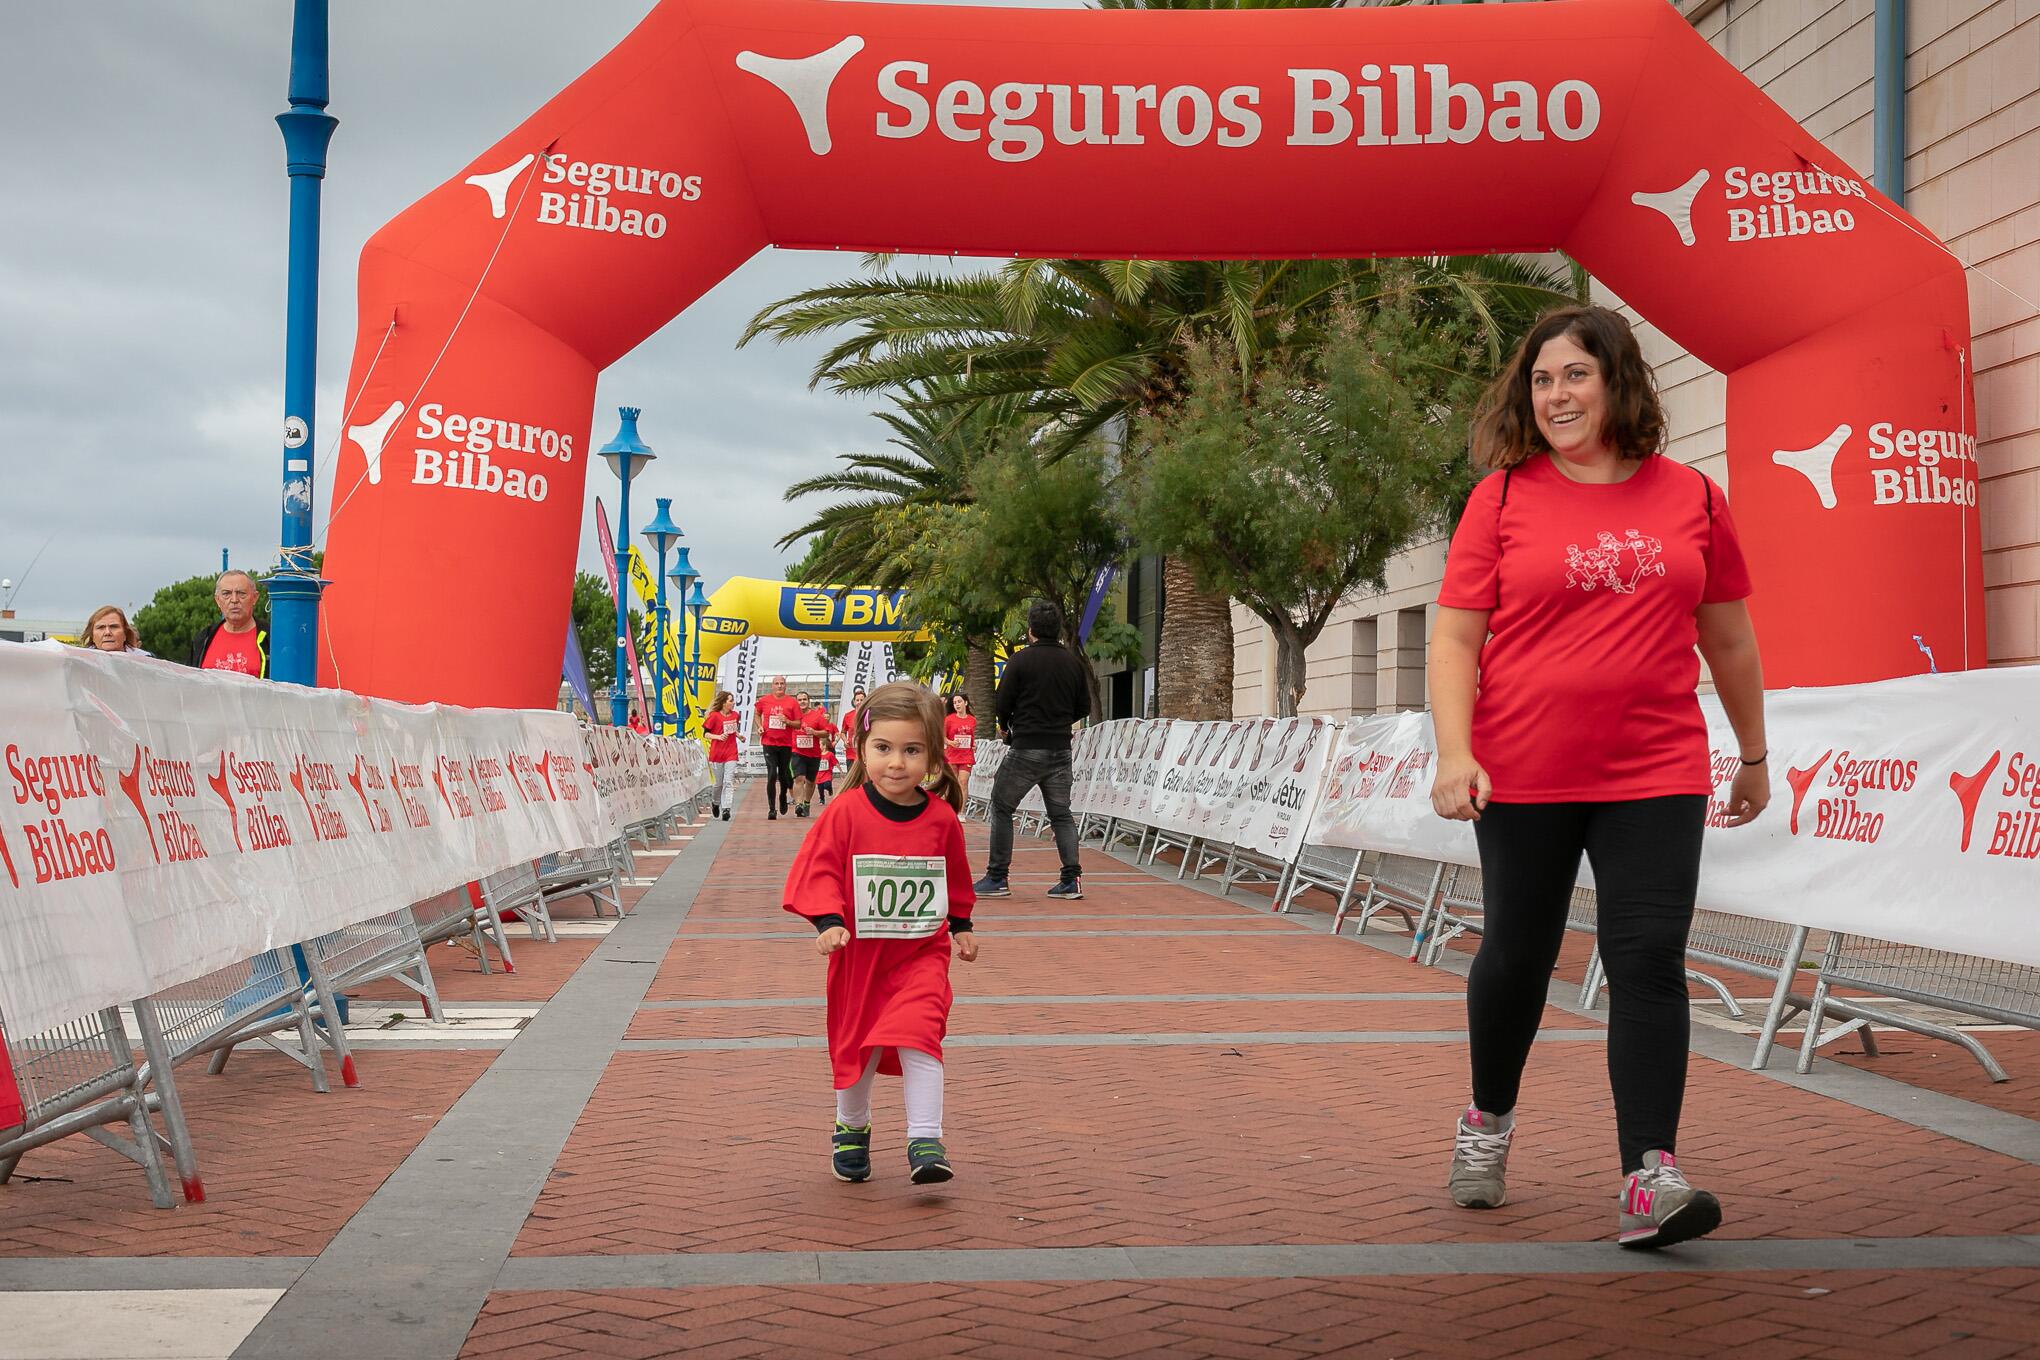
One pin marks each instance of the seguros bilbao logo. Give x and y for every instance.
(1907, 466)
(1763, 205)
(840, 611)
(1018, 120)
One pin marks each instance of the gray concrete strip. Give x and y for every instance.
(409, 1273)
(1234, 1039)
(1341, 1260)
(150, 1272)
(1965, 1120)
(1075, 999)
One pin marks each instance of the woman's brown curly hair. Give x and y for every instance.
(1505, 425)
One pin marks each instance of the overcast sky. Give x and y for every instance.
(142, 264)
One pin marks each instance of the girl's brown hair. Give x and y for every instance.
(1505, 424)
(132, 638)
(721, 696)
(899, 702)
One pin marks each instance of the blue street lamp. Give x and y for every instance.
(307, 128)
(661, 533)
(696, 602)
(682, 576)
(626, 455)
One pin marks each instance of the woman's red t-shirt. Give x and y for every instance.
(722, 729)
(1588, 676)
(959, 736)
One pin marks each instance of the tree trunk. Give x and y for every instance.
(979, 685)
(1292, 666)
(1195, 670)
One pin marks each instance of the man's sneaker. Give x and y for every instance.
(1070, 889)
(991, 887)
(1660, 1208)
(927, 1162)
(770, 815)
(1480, 1160)
(851, 1160)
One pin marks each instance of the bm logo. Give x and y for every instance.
(724, 627)
(846, 611)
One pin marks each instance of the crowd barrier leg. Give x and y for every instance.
(1783, 1004)
(164, 1099)
(328, 1022)
(1855, 1021)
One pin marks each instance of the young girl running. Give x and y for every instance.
(883, 878)
(825, 777)
(723, 728)
(959, 734)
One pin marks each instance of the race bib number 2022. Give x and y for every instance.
(900, 897)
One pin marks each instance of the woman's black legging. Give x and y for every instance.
(1646, 859)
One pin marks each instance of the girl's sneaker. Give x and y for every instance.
(1660, 1208)
(927, 1162)
(851, 1158)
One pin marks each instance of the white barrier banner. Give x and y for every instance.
(159, 823)
(1907, 810)
(1274, 804)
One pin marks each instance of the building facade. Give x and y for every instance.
(1971, 115)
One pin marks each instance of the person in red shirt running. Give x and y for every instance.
(959, 736)
(1582, 577)
(825, 778)
(850, 721)
(778, 715)
(815, 727)
(884, 881)
(723, 726)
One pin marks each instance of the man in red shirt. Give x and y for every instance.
(779, 714)
(234, 643)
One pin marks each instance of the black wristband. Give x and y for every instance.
(960, 925)
(1758, 761)
(823, 924)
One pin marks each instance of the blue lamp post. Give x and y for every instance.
(682, 576)
(696, 602)
(661, 534)
(307, 129)
(626, 455)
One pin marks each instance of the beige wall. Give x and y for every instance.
(1972, 176)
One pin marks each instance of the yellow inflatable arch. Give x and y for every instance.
(745, 607)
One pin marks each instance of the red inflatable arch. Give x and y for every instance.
(1605, 128)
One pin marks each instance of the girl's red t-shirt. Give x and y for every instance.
(882, 993)
(959, 736)
(722, 729)
(1588, 675)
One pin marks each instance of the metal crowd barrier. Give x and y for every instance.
(1327, 868)
(2007, 993)
(595, 873)
(276, 991)
(82, 1077)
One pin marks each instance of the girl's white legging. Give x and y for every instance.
(920, 1083)
(721, 784)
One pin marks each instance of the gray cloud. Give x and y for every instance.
(142, 264)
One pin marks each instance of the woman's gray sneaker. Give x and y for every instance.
(1660, 1208)
(1480, 1160)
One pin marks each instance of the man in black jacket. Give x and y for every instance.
(1042, 696)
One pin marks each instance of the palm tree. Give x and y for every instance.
(934, 447)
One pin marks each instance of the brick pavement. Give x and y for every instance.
(1313, 1113)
